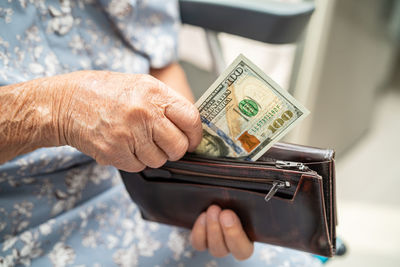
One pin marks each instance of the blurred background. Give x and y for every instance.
(345, 68)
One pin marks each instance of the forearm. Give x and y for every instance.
(26, 118)
(94, 111)
(174, 76)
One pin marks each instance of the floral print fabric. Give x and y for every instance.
(57, 206)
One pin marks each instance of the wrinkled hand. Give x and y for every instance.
(221, 233)
(127, 120)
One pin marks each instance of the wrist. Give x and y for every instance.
(61, 89)
(26, 121)
(38, 94)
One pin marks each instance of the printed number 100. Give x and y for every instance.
(279, 122)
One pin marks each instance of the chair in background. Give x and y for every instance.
(265, 21)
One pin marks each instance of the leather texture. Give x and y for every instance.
(301, 215)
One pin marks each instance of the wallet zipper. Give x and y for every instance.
(283, 164)
(275, 184)
(280, 164)
(219, 176)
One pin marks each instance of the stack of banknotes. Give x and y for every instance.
(244, 112)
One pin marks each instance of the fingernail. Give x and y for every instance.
(214, 213)
(227, 219)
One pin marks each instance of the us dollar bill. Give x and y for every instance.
(244, 112)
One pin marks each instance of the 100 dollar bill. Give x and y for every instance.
(244, 112)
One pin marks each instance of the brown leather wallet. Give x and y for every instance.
(285, 198)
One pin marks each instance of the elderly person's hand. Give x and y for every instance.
(129, 121)
(221, 233)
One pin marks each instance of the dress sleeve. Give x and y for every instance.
(150, 27)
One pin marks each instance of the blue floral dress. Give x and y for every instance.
(57, 206)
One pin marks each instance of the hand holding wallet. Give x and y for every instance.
(285, 198)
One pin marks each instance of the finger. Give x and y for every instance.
(142, 145)
(170, 139)
(129, 164)
(187, 118)
(215, 240)
(235, 238)
(198, 237)
(121, 158)
(151, 155)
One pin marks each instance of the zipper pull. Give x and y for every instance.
(276, 185)
(291, 165)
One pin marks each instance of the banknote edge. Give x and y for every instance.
(220, 78)
(274, 84)
(259, 71)
(278, 137)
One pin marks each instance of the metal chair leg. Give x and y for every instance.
(214, 45)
